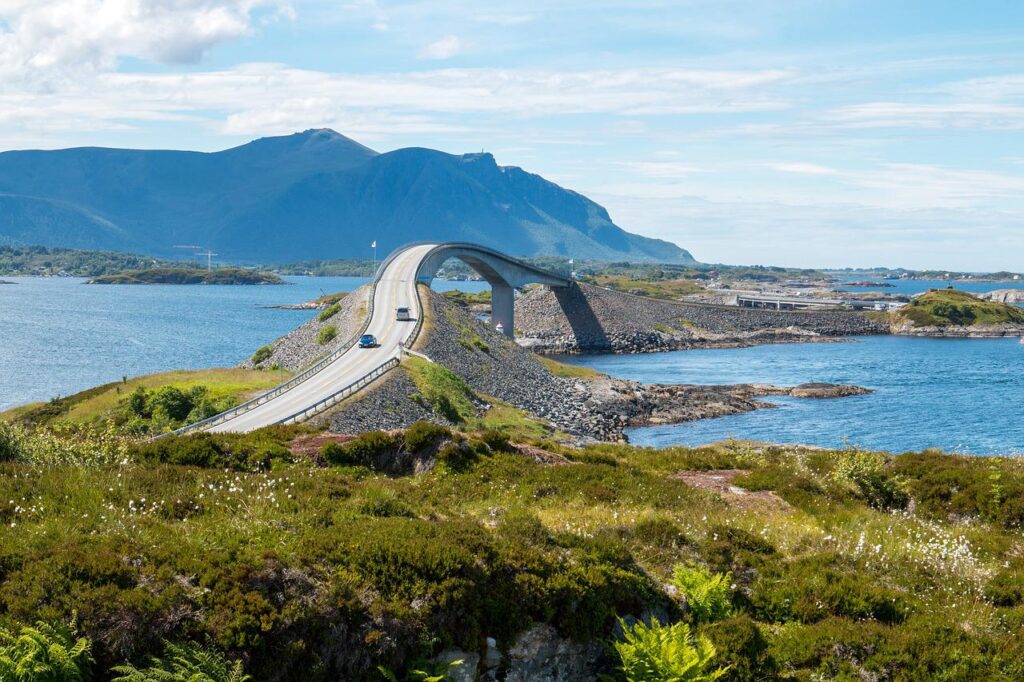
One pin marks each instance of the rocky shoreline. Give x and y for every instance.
(588, 319)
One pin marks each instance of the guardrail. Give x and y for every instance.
(336, 397)
(295, 380)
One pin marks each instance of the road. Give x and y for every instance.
(395, 289)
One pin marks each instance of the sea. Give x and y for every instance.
(59, 336)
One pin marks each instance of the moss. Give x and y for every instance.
(568, 371)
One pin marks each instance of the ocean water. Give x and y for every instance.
(59, 336)
(961, 395)
(918, 286)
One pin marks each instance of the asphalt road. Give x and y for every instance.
(396, 289)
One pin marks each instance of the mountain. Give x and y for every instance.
(315, 194)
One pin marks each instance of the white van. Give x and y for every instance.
(402, 314)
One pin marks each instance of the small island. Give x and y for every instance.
(951, 312)
(189, 276)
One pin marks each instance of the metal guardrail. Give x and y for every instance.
(295, 380)
(336, 397)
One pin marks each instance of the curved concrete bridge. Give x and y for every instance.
(349, 369)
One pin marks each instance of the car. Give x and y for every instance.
(368, 341)
(402, 314)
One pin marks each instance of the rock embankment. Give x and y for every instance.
(585, 409)
(973, 331)
(299, 349)
(588, 319)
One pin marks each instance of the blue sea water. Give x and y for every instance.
(59, 336)
(918, 286)
(961, 395)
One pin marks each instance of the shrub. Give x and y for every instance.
(11, 442)
(326, 334)
(44, 653)
(256, 450)
(456, 456)
(185, 663)
(659, 531)
(262, 353)
(496, 440)
(656, 652)
(328, 312)
(424, 434)
(743, 648)
(866, 471)
(707, 594)
(362, 451)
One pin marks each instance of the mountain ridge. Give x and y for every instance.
(312, 194)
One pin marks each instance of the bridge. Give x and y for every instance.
(350, 368)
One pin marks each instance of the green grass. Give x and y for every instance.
(314, 573)
(102, 401)
(466, 299)
(670, 289)
(567, 371)
(442, 390)
(951, 307)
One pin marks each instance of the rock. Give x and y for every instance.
(541, 655)
(492, 657)
(464, 672)
(588, 319)
(1004, 296)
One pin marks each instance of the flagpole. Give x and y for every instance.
(374, 245)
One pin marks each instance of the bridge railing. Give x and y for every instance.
(295, 380)
(336, 397)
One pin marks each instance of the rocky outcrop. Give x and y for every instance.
(633, 404)
(974, 331)
(588, 319)
(299, 349)
(1004, 296)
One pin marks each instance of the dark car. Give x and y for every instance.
(368, 341)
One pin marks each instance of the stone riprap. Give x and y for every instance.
(588, 319)
(299, 349)
(585, 409)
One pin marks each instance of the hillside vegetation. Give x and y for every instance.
(207, 391)
(829, 565)
(951, 307)
(189, 276)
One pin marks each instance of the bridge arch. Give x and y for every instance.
(504, 273)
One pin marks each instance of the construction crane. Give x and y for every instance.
(209, 256)
(194, 250)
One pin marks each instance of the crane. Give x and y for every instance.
(209, 256)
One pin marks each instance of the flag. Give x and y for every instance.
(374, 244)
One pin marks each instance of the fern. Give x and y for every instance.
(45, 653)
(665, 653)
(185, 663)
(707, 594)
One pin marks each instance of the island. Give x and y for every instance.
(951, 312)
(189, 276)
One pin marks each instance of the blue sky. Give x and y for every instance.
(793, 132)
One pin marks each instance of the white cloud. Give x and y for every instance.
(803, 168)
(445, 48)
(951, 115)
(68, 36)
(666, 170)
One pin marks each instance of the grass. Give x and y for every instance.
(466, 299)
(102, 401)
(670, 289)
(952, 307)
(567, 371)
(442, 390)
(316, 573)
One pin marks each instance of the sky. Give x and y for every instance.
(793, 132)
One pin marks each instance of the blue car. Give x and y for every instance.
(368, 341)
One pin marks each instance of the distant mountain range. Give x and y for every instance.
(315, 194)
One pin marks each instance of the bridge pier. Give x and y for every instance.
(502, 308)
